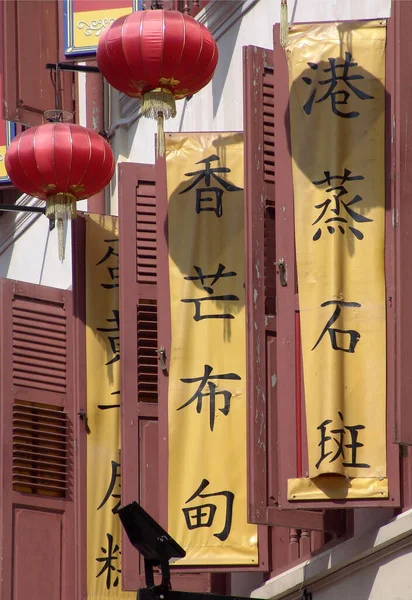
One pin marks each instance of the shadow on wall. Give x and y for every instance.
(388, 577)
(227, 45)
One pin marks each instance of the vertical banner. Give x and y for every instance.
(85, 21)
(103, 409)
(207, 379)
(337, 120)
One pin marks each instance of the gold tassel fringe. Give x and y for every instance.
(60, 208)
(284, 23)
(159, 104)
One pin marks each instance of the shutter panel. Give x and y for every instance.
(262, 287)
(30, 40)
(140, 324)
(39, 430)
(292, 454)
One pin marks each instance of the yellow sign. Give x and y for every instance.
(337, 118)
(207, 381)
(85, 21)
(103, 410)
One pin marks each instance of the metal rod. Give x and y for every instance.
(20, 208)
(72, 67)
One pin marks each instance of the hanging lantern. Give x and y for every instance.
(159, 56)
(60, 163)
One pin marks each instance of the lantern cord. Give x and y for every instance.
(284, 23)
(60, 208)
(160, 139)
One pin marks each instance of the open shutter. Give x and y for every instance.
(30, 38)
(283, 413)
(139, 331)
(39, 466)
(263, 285)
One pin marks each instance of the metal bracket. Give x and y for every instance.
(72, 67)
(282, 271)
(162, 357)
(83, 417)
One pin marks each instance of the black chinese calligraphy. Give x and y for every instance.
(113, 269)
(109, 406)
(114, 340)
(340, 214)
(354, 336)
(348, 451)
(203, 515)
(212, 393)
(109, 563)
(339, 77)
(114, 483)
(220, 273)
(209, 197)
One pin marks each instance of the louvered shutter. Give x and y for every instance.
(262, 288)
(284, 414)
(30, 38)
(39, 466)
(139, 342)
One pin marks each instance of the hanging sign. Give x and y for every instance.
(85, 21)
(337, 120)
(207, 380)
(103, 410)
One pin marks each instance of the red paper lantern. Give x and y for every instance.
(60, 163)
(159, 56)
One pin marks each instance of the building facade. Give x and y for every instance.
(347, 549)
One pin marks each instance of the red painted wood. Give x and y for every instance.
(95, 120)
(80, 394)
(38, 553)
(30, 40)
(263, 220)
(144, 453)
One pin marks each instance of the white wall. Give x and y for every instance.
(219, 106)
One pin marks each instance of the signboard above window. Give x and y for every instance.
(85, 21)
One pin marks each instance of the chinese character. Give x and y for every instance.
(340, 451)
(113, 479)
(215, 277)
(203, 195)
(204, 514)
(107, 406)
(199, 394)
(332, 82)
(354, 336)
(113, 271)
(113, 340)
(209, 289)
(107, 561)
(337, 204)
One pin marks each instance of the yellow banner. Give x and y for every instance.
(103, 410)
(207, 381)
(337, 119)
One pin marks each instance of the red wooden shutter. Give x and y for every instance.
(40, 504)
(139, 341)
(30, 38)
(262, 288)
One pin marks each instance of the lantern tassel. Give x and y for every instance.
(61, 208)
(284, 23)
(159, 104)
